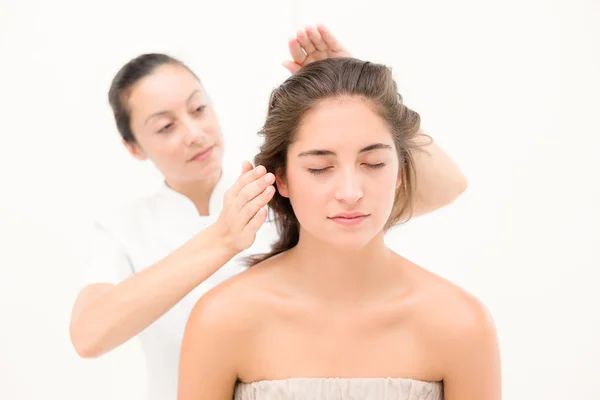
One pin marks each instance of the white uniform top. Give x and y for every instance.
(139, 235)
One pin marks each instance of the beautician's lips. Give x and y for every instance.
(202, 154)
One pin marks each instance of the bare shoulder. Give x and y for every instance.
(449, 312)
(238, 303)
(217, 335)
(459, 328)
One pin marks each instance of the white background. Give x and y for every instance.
(509, 88)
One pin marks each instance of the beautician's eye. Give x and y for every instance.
(165, 128)
(200, 109)
(318, 171)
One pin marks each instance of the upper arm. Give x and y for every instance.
(439, 180)
(207, 367)
(106, 265)
(472, 358)
(107, 260)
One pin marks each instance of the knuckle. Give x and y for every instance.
(243, 196)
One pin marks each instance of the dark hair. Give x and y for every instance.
(124, 80)
(315, 82)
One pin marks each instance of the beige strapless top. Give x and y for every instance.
(339, 389)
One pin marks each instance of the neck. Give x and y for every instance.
(198, 191)
(340, 274)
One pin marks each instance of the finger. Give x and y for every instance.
(253, 189)
(252, 207)
(256, 222)
(305, 42)
(316, 39)
(291, 66)
(246, 167)
(330, 41)
(296, 51)
(246, 178)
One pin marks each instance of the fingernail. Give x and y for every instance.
(269, 178)
(260, 170)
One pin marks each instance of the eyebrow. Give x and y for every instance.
(376, 146)
(159, 113)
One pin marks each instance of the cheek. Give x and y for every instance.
(212, 126)
(381, 187)
(296, 186)
(165, 149)
(385, 190)
(305, 194)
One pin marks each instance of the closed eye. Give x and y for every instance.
(165, 128)
(318, 171)
(376, 166)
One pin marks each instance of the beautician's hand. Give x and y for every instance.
(312, 44)
(244, 207)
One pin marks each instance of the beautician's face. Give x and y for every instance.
(175, 125)
(342, 173)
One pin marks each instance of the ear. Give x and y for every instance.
(281, 184)
(135, 150)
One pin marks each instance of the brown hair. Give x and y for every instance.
(327, 79)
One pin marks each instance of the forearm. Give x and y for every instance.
(439, 180)
(124, 310)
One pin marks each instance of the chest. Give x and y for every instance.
(322, 343)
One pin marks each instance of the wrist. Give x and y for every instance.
(218, 241)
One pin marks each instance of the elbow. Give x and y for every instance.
(448, 196)
(456, 185)
(451, 193)
(460, 186)
(454, 193)
(83, 341)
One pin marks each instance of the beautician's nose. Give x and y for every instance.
(193, 131)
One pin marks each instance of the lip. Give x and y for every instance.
(202, 155)
(349, 219)
(350, 215)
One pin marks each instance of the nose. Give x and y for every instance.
(348, 188)
(193, 132)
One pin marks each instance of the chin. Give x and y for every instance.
(207, 169)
